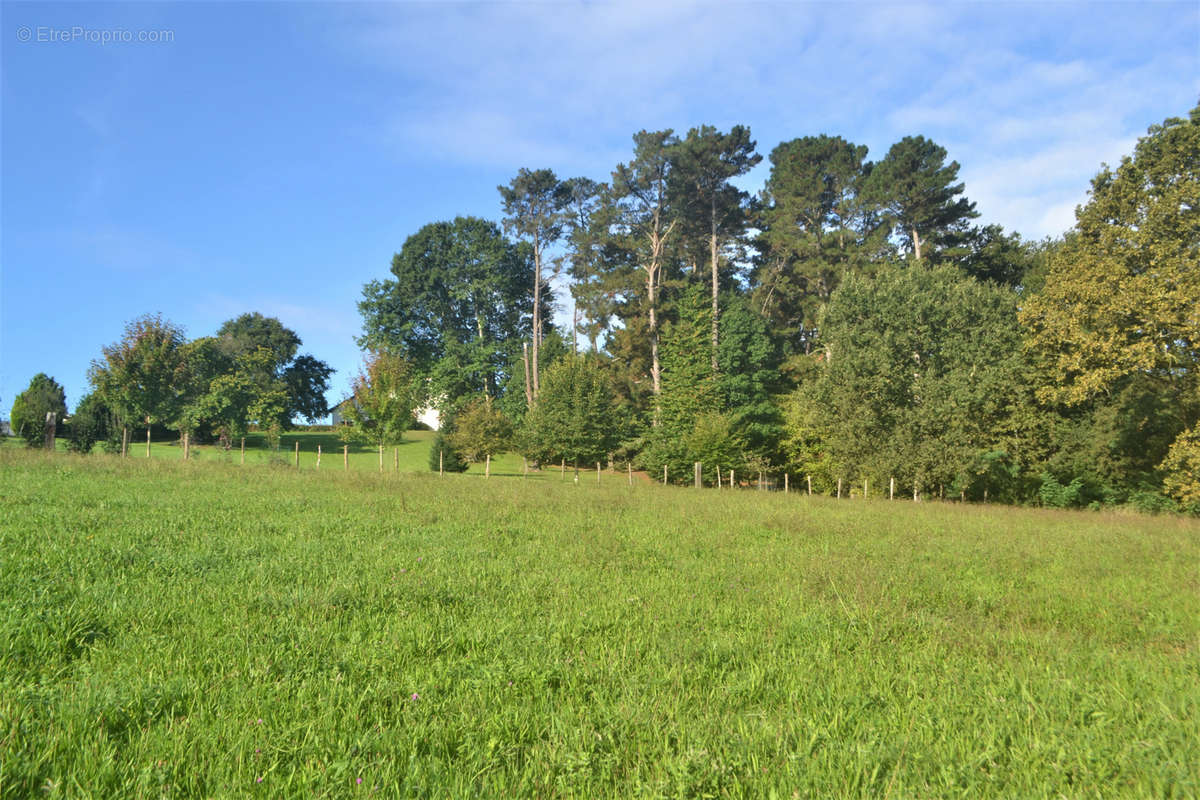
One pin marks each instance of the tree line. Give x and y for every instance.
(250, 373)
(850, 322)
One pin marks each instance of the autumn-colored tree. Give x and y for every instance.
(1121, 300)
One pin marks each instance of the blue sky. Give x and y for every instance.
(272, 157)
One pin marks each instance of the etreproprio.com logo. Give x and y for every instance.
(48, 34)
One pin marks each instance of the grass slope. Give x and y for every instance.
(411, 455)
(205, 630)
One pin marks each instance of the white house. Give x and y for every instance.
(427, 416)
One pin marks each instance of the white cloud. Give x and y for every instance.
(1029, 99)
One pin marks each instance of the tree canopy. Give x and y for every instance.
(458, 300)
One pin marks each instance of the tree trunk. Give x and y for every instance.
(916, 244)
(712, 244)
(655, 368)
(528, 385)
(124, 441)
(537, 312)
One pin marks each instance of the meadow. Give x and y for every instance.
(207, 629)
(410, 455)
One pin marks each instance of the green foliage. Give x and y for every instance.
(1182, 468)
(918, 194)
(385, 396)
(922, 373)
(1055, 495)
(91, 423)
(305, 379)
(1000, 257)
(1120, 296)
(730, 414)
(575, 418)
(816, 226)
(459, 296)
(28, 418)
(444, 456)
(140, 375)
(480, 430)
(231, 398)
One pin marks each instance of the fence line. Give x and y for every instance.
(764, 481)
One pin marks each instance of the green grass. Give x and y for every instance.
(210, 630)
(411, 455)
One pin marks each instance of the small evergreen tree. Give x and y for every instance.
(31, 406)
(443, 455)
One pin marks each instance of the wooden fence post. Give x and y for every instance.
(147, 438)
(664, 474)
(839, 494)
(345, 457)
(696, 473)
(732, 480)
(487, 467)
(719, 477)
(381, 458)
(441, 467)
(892, 489)
(865, 485)
(785, 483)
(809, 479)
(597, 473)
(563, 470)
(297, 455)
(318, 458)
(243, 449)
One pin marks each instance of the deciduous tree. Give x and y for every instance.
(459, 296)
(139, 376)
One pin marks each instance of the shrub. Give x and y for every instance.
(92, 422)
(481, 430)
(1054, 495)
(444, 455)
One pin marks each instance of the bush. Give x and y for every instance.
(1182, 467)
(1054, 495)
(92, 422)
(480, 430)
(32, 405)
(1152, 502)
(443, 455)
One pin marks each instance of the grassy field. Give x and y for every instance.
(210, 630)
(412, 455)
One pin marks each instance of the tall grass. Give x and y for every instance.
(200, 629)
